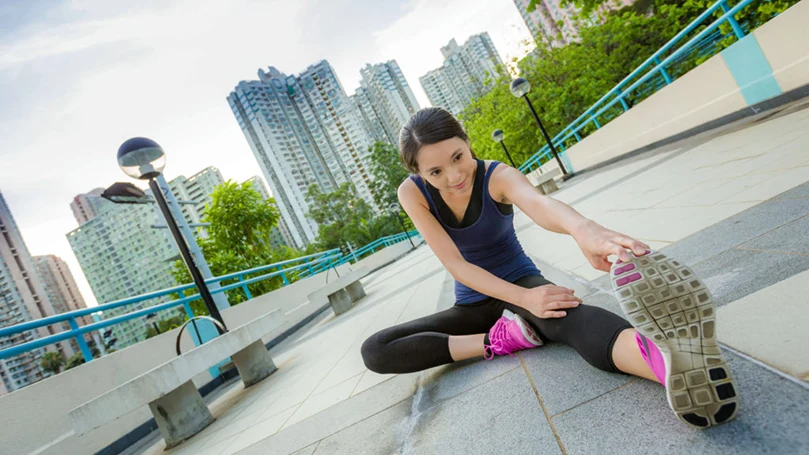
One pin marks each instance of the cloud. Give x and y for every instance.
(79, 77)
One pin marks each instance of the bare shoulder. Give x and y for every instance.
(502, 177)
(409, 192)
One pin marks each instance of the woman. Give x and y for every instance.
(463, 208)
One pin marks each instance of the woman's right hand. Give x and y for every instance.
(549, 301)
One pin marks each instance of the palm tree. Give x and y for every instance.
(52, 362)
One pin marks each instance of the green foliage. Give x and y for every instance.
(344, 218)
(388, 173)
(74, 361)
(238, 239)
(52, 362)
(165, 325)
(566, 81)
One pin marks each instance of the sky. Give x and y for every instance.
(79, 77)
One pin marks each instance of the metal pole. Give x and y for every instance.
(220, 298)
(508, 155)
(186, 255)
(545, 133)
(401, 221)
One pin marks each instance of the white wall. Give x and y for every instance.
(704, 94)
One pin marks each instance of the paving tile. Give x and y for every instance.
(444, 382)
(771, 325)
(736, 273)
(791, 237)
(338, 417)
(379, 433)
(564, 379)
(500, 416)
(637, 420)
(323, 400)
(738, 229)
(260, 430)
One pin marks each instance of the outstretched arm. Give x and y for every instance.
(595, 241)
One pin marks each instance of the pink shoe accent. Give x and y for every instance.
(653, 358)
(624, 269)
(510, 334)
(628, 279)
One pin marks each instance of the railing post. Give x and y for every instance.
(186, 305)
(595, 122)
(576, 134)
(245, 288)
(732, 21)
(85, 350)
(284, 275)
(663, 71)
(620, 96)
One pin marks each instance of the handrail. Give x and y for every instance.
(592, 113)
(313, 263)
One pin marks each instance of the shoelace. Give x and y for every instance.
(497, 338)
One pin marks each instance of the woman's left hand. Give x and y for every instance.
(598, 242)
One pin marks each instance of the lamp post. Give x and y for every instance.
(498, 136)
(395, 209)
(144, 159)
(520, 88)
(150, 318)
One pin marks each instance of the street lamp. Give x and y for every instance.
(498, 136)
(520, 88)
(149, 318)
(395, 208)
(144, 159)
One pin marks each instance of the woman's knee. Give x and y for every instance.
(373, 354)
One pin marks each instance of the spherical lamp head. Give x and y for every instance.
(498, 135)
(141, 158)
(520, 87)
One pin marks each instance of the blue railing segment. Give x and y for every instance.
(654, 66)
(313, 263)
(77, 332)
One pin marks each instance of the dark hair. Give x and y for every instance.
(430, 125)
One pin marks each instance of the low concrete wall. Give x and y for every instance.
(773, 60)
(35, 419)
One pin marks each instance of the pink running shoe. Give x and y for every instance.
(510, 334)
(675, 316)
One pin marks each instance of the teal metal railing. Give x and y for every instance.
(301, 266)
(652, 75)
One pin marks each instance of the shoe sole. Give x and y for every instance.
(526, 329)
(671, 307)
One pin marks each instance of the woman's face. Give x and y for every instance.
(448, 165)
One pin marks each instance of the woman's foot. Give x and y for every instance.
(510, 334)
(675, 315)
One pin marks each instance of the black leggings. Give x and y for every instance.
(424, 343)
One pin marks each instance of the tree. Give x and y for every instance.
(566, 81)
(52, 362)
(238, 239)
(74, 361)
(344, 217)
(165, 325)
(388, 173)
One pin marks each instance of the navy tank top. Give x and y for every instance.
(490, 242)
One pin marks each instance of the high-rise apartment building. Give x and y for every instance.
(62, 290)
(384, 100)
(123, 256)
(280, 234)
(556, 25)
(198, 188)
(303, 130)
(85, 206)
(22, 298)
(466, 74)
